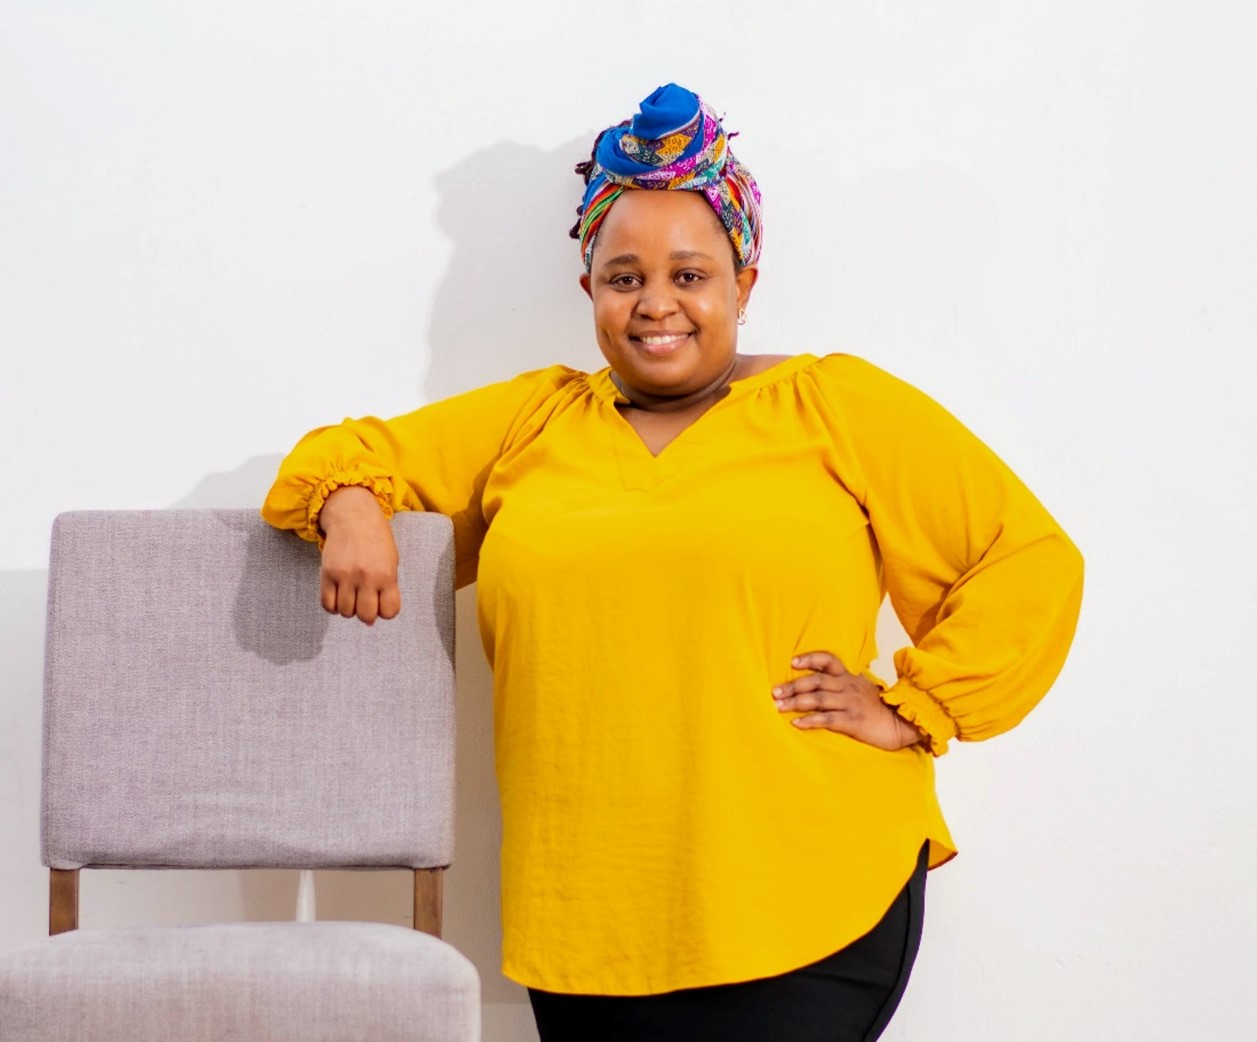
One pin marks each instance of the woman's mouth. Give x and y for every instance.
(661, 343)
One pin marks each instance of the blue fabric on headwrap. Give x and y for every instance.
(667, 111)
(674, 143)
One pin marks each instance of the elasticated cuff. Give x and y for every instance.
(923, 711)
(381, 488)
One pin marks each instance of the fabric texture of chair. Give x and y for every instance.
(348, 982)
(202, 711)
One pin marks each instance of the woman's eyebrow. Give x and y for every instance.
(676, 255)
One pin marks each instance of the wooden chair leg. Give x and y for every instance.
(63, 900)
(428, 900)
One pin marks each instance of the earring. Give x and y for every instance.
(741, 316)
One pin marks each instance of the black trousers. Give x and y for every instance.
(849, 996)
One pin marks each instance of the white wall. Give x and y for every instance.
(222, 224)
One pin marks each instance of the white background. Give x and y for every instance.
(223, 224)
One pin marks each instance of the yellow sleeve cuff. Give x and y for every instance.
(923, 711)
(380, 487)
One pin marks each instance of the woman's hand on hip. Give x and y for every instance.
(833, 699)
(359, 573)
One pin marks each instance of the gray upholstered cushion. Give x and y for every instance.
(264, 982)
(201, 710)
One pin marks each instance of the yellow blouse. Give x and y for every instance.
(663, 824)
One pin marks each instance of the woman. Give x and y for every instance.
(716, 821)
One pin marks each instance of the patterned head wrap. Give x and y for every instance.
(676, 143)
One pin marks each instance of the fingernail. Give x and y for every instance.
(796, 661)
(776, 692)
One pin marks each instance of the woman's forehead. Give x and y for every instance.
(653, 221)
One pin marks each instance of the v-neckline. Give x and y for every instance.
(619, 409)
(604, 387)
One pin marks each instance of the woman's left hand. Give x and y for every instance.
(836, 700)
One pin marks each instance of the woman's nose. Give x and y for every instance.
(656, 303)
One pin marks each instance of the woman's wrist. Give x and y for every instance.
(346, 503)
(912, 735)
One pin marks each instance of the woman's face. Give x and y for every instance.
(665, 294)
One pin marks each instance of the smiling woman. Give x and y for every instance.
(667, 299)
(666, 296)
(680, 562)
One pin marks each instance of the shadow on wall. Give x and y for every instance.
(246, 486)
(510, 301)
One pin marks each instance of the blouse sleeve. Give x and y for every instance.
(984, 581)
(436, 458)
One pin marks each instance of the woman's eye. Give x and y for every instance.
(688, 278)
(624, 281)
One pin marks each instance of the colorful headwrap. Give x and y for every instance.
(676, 143)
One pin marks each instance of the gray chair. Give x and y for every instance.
(202, 711)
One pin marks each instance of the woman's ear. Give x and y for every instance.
(745, 280)
(585, 284)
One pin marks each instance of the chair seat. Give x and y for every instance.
(253, 982)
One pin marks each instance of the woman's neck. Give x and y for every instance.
(648, 402)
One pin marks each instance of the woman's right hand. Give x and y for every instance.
(359, 573)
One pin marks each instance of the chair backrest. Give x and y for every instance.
(202, 710)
